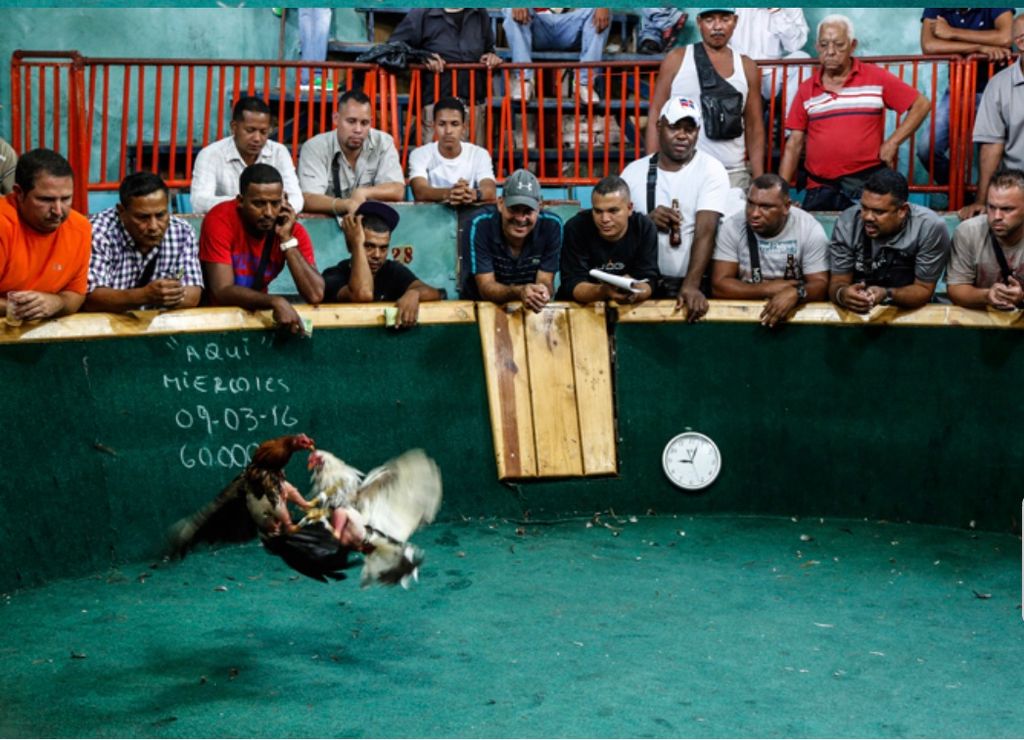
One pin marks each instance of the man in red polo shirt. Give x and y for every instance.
(840, 114)
(246, 242)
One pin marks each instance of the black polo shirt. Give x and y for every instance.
(484, 250)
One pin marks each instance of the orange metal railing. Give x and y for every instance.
(120, 115)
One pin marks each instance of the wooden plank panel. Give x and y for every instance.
(553, 393)
(508, 390)
(592, 369)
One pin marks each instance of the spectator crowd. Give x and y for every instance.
(698, 217)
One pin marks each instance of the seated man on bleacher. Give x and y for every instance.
(555, 29)
(684, 191)
(886, 251)
(986, 267)
(142, 256)
(511, 252)
(44, 245)
(340, 169)
(609, 236)
(368, 275)
(451, 35)
(246, 243)
(451, 170)
(771, 251)
(219, 165)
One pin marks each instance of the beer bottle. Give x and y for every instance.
(675, 235)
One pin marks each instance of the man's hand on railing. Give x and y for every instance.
(435, 63)
(491, 60)
(995, 53)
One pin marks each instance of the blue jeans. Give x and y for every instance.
(653, 21)
(551, 32)
(314, 30)
(924, 145)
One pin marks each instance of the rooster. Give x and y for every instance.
(254, 503)
(375, 514)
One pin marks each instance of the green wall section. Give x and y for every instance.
(109, 442)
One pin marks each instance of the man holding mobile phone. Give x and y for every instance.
(246, 243)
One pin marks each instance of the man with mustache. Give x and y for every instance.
(771, 252)
(142, 256)
(987, 264)
(341, 169)
(510, 253)
(612, 237)
(218, 165)
(44, 245)
(886, 251)
(369, 275)
(244, 244)
(679, 172)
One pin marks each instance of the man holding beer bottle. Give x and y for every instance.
(684, 192)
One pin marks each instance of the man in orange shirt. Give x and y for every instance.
(44, 245)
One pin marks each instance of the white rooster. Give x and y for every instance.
(377, 513)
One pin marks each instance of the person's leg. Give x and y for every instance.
(520, 39)
(657, 26)
(592, 43)
(941, 147)
(314, 31)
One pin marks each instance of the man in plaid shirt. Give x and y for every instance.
(142, 257)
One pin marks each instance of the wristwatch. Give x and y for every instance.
(289, 244)
(801, 291)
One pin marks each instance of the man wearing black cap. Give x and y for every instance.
(369, 275)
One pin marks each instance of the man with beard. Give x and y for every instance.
(246, 243)
(698, 184)
(510, 253)
(451, 170)
(886, 251)
(219, 165)
(341, 169)
(142, 256)
(612, 238)
(771, 251)
(741, 151)
(987, 264)
(369, 275)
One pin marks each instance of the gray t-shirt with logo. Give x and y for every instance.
(801, 236)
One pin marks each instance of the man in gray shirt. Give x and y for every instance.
(886, 251)
(999, 125)
(340, 170)
(987, 264)
(770, 252)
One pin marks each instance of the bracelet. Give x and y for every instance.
(334, 207)
(838, 297)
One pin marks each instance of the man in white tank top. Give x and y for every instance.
(742, 156)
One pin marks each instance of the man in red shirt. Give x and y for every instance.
(246, 243)
(840, 114)
(44, 245)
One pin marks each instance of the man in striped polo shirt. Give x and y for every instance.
(511, 253)
(839, 114)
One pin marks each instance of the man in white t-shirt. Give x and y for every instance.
(451, 170)
(771, 251)
(699, 184)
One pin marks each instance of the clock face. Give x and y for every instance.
(691, 460)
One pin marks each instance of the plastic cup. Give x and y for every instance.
(12, 317)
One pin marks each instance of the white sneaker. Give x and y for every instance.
(524, 91)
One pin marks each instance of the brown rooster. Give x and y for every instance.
(254, 503)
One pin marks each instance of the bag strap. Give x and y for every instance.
(706, 72)
(335, 178)
(147, 272)
(755, 256)
(1004, 267)
(652, 181)
(258, 283)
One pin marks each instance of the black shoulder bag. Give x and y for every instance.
(721, 103)
(652, 182)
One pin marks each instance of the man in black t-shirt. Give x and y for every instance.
(369, 275)
(610, 237)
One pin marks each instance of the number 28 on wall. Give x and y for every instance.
(402, 254)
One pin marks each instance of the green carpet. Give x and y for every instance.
(688, 626)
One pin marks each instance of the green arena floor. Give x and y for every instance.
(660, 627)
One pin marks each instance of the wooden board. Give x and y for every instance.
(592, 370)
(508, 390)
(553, 393)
